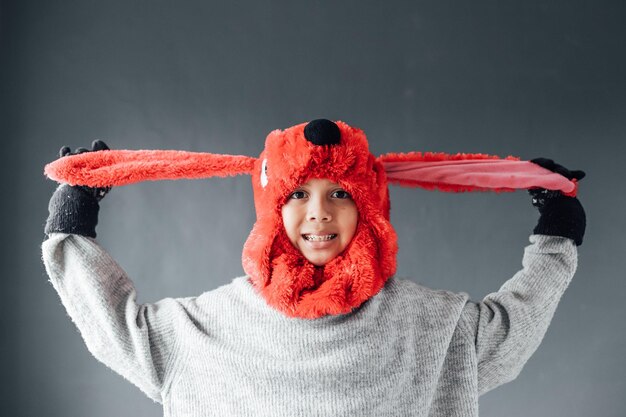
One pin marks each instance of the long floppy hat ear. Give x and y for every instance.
(121, 167)
(471, 172)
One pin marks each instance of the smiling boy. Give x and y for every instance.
(319, 325)
(320, 219)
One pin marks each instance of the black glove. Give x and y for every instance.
(560, 215)
(74, 209)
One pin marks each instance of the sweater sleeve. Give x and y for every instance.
(138, 342)
(507, 326)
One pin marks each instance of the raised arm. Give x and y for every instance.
(137, 341)
(507, 326)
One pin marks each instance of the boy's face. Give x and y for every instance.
(320, 219)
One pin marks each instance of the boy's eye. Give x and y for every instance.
(297, 195)
(341, 194)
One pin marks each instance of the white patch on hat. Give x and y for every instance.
(264, 173)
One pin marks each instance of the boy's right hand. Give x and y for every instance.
(96, 145)
(74, 209)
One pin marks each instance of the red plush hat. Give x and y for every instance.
(338, 152)
(318, 149)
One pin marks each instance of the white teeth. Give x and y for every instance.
(318, 238)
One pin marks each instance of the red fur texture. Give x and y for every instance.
(438, 156)
(277, 269)
(123, 167)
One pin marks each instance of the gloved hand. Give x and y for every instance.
(560, 215)
(74, 209)
(96, 145)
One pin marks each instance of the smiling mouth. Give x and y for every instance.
(318, 238)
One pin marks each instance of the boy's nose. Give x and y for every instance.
(318, 211)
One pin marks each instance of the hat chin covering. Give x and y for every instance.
(277, 269)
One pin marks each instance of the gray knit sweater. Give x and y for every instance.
(408, 351)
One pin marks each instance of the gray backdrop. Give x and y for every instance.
(531, 78)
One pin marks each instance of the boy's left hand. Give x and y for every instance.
(560, 215)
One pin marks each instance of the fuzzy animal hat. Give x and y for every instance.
(318, 149)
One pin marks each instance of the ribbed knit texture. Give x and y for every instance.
(72, 210)
(408, 351)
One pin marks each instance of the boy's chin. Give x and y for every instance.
(319, 260)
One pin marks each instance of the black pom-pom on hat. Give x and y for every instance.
(322, 132)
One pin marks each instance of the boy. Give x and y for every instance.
(319, 326)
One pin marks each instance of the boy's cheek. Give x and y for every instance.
(290, 230)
